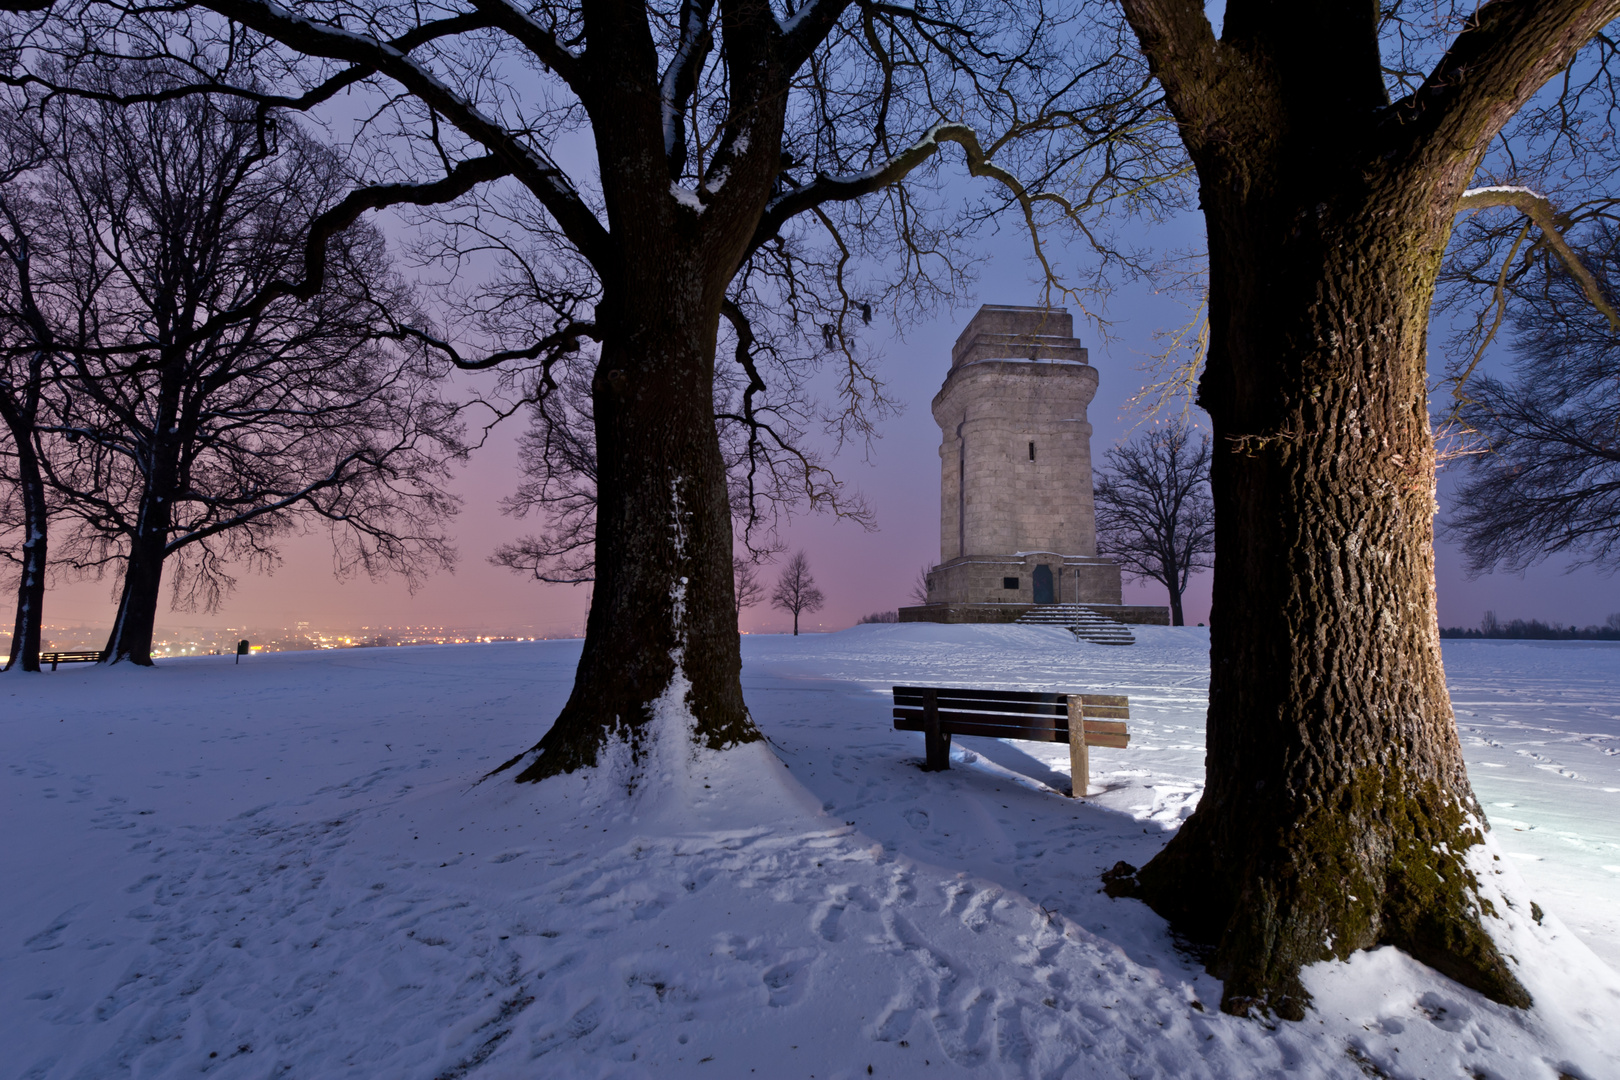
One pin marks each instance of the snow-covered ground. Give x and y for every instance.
(286, 868)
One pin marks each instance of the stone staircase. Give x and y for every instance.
(1082, 622)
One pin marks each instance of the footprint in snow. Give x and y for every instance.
(51, 937)
(824, 920)
(787, 981)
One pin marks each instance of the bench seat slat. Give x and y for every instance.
(946, 701)
(951, 717)
(1017, 708)
(1038, 723)
(1015, 715)
(993, 731)
(909, 694)
(1103, 733)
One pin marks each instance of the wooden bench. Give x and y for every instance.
(54, 658)
(940, 712)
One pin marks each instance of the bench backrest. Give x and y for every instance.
(1016, 714)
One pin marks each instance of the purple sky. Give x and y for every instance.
(860, 572)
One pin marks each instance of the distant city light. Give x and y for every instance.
(188, 642)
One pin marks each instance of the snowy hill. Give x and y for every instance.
(286, 868)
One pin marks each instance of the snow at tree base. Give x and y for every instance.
(287, 868)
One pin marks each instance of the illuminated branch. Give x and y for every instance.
(1539, 209)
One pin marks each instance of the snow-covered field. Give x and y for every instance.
(286, 869)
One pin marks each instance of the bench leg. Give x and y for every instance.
(936, 743)
(1079, 755)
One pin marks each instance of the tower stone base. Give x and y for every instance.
(1029, 577)
(1001, 588)
(1135, 614)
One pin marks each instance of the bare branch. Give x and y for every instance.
(1539, 209)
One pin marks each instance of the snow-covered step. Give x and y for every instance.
(1084, 622)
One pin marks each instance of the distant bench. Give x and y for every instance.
(939, 713)
(54, 658)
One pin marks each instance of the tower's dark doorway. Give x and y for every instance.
(1042, 581)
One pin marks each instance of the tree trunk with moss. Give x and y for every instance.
(1337, 814)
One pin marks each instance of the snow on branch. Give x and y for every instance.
(680, 78)
(1539, 209)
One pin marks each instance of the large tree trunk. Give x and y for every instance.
(661, 657)
(662, 664)
(133, 627)
(1337, 811)
(26, 633)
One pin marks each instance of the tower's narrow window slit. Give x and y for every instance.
(1032, 451)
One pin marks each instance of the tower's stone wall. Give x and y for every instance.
(1015, 459)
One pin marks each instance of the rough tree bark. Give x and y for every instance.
(1337, 813)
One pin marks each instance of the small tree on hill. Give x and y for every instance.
(1154, 514)
(796, 590)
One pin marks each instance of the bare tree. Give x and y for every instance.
(796, 590)
(1154, 514)
(751, 156)
(1334, 145)
(25, 376)
(199, 452)
(557, 455)
(919, 585)
(1547, 479)
(745, 579)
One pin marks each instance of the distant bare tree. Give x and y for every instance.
(878, 617)
(748, 588)
(1549, 481)
(919, 587)
(796, 590)
(1154, 514)
(557, 456)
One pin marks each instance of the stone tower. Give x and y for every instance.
(1017, 524)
